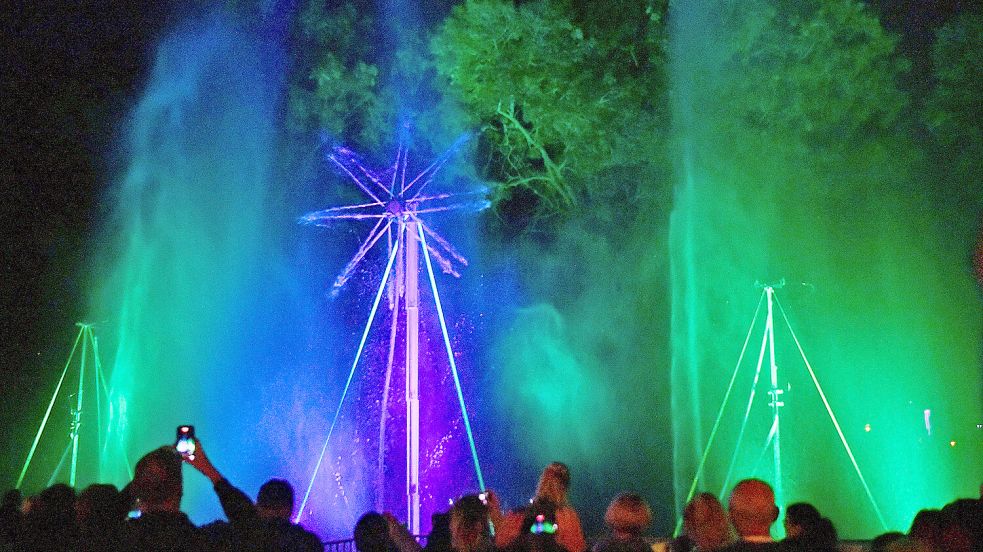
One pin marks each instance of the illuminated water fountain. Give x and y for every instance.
(398, 206)
(878, 292)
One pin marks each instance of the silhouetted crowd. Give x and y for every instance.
(475, 523)
(146, 516)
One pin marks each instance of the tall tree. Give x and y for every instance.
(954, 109)
(823, 73)
(338, 86)
(557, 100)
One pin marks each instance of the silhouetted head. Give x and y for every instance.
(628, 515)
(554, 484)
(276, 499)
(98, 504)
(372, 533)
(12, 499)
(752, 508)
(157, 480)
(962, 529)
(881, 542)
(800, 517)
(54, 506)
(926, 528)
(705, 522)
(440, 532)
(49, 523)
(469, 524)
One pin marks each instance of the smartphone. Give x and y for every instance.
(185, 443)
(542, 526)
(135, 511)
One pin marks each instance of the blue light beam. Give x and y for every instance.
(351, 375)
(450, 358)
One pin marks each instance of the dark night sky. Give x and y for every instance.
(70, 72)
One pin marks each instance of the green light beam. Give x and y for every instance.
(97, 371)
(44, 421)
(720, 414)
(61, 463)
(747, 411)
(832, 417)
(761, 456)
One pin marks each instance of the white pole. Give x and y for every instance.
(77, 415)
(776, 396)
(412, 275)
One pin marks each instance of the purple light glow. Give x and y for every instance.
(443, 459)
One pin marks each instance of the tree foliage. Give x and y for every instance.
(954, 108)
(339, 88)
(825, 72)
(361, 81)
(566, 93)
(555, 102)
(953, 113)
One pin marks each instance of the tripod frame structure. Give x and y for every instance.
(103, 407)
(776, 403)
